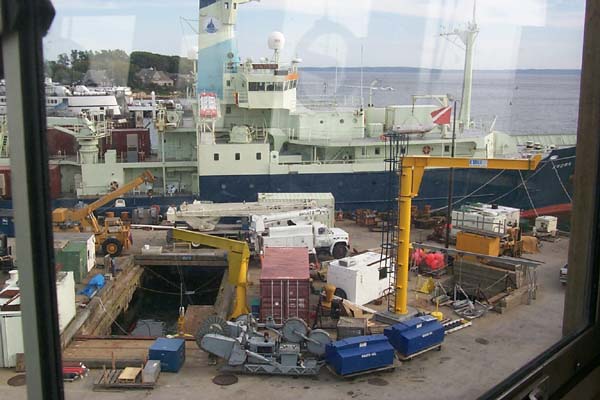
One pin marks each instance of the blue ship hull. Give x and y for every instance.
(548, 189)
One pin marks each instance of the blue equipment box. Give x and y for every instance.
(170, 353)
(417, 334)
(358, 354)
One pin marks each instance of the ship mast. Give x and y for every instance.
(467, 36)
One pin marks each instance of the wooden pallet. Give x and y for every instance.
(402, 357)
(109, 380)
(129, 375)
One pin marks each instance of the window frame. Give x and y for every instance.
(562, 369)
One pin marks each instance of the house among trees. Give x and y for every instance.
(95, 77)
(150, 76)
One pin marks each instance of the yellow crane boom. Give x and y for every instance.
(80, 214)
(113, 236)
(238, 257)
(411, 175)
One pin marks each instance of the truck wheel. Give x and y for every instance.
(339, 250)
(112, 247)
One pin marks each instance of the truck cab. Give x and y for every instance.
(333, 240)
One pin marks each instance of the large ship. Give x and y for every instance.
(247, 133)
(266, 142)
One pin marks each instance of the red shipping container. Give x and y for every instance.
(285, 284)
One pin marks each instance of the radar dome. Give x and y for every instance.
(276, 41)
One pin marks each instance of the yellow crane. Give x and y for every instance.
(411, 174)
(113, 236)
(238, 256)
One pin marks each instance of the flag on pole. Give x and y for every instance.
(442, 116)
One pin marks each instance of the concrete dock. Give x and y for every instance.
(471, 360)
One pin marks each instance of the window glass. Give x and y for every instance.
(397, 79)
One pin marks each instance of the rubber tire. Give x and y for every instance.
(340, 250)
(340, 293)
(109, 244)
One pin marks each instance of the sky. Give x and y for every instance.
(514, 34)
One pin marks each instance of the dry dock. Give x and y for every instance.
(471, 360)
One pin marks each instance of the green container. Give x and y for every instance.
(73, 257)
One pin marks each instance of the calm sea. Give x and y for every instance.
(523, 101)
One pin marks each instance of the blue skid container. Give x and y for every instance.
(358, 354)
(417, 334)
(170, 353)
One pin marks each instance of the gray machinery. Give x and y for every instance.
(275, 350)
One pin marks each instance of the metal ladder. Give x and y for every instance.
(396, 146)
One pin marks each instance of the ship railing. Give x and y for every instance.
(320, 162)
(327, 101)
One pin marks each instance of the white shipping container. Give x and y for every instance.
(65, 298)
(11, 338)
(363, 277)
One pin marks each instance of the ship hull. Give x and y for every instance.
(548, 189)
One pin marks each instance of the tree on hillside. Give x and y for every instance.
(120, 67)
(114, 62)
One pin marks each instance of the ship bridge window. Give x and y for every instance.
(270, 86)
(216, 156)
(259, 156)
(227, 5)
(377, 150)
(228, 82)
(235, 6)
(278, 86)
(237, 156)
(228, 110)
(256, 86)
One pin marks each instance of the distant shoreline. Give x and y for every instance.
(414, 69)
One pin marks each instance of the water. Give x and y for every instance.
(523, 101)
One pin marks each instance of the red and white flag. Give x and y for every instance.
(442, 115)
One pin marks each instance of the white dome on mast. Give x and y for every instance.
(276, 43)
